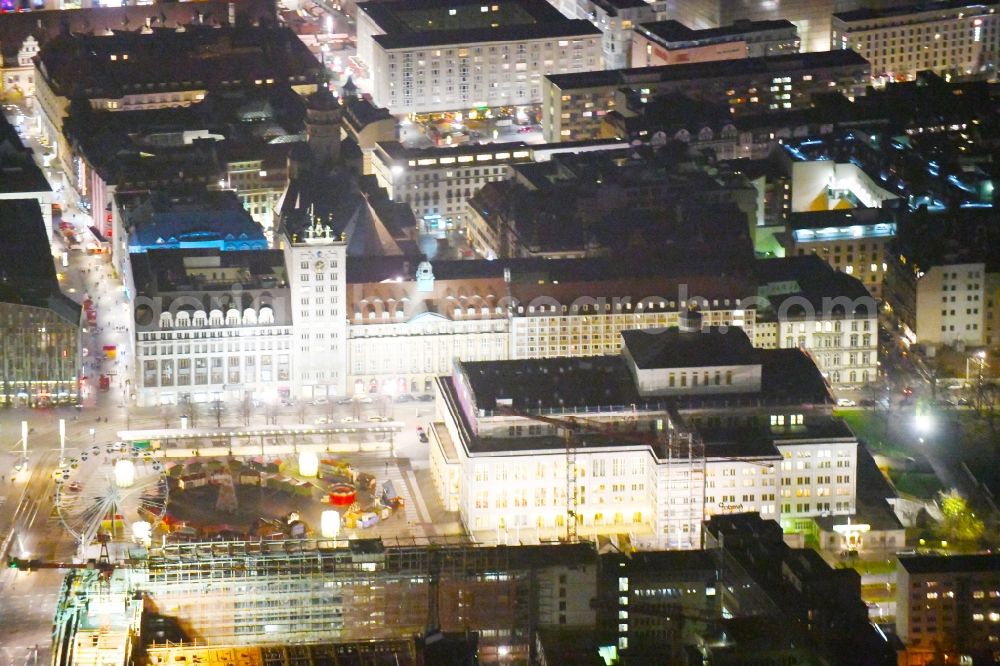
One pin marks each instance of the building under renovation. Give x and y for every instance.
(285, 593)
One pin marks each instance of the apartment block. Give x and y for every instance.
(951, 604)
(958, 39)
(952, 304)
(436, 56)
(573, 104)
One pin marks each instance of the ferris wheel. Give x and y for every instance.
(107, 489)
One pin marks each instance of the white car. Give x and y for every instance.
(321, 421)
(348, 419)
(320, 401)
(846, 402)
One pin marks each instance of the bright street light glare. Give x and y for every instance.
(924, 423)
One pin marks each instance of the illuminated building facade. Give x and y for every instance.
(855, 241)
(951, 39)
(804, 304)
(694, 424)
(211, 325)
(438, 182)
(308, 592)
(465, 55)
(672, 43)
(952, 304)
(573, 104)
(39, 326)
(617, 19)
(951, 603)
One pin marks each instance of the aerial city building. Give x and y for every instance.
(582, 331)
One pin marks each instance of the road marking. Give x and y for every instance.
(424, 514)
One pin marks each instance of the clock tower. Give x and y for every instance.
(316, 264)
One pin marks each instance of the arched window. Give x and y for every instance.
(266, 315)
(232, 317)
(200, 319)
(215, 318)
(183, 319)
(166, 320)
(249, 317)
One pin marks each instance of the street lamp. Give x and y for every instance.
(980, 357)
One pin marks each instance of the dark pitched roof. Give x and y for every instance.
(828, 291)
(27, 272)
(18, 171)
(43, 25)
(673, 348)
(200, 57)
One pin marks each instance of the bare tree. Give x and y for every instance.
(270, 414)
(169, 413)
(189, 409)
(246, 408)
(218, 407)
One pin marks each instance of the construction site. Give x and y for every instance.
(310, 601)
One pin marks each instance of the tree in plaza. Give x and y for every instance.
(189, 409)
(246, 408)
(959, 520)
(168, 414)
(218, 407)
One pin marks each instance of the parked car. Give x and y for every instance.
(366, 400)
(846, 402)
(426, 397)
(322, 420)
(345, 401)
(378, 419)
(867, 403)
(405, 397)
(348, 419)
(319, 401)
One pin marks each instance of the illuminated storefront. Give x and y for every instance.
(39, 352)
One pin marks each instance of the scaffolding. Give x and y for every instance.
(316, 591)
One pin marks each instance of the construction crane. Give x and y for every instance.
(571, 426)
